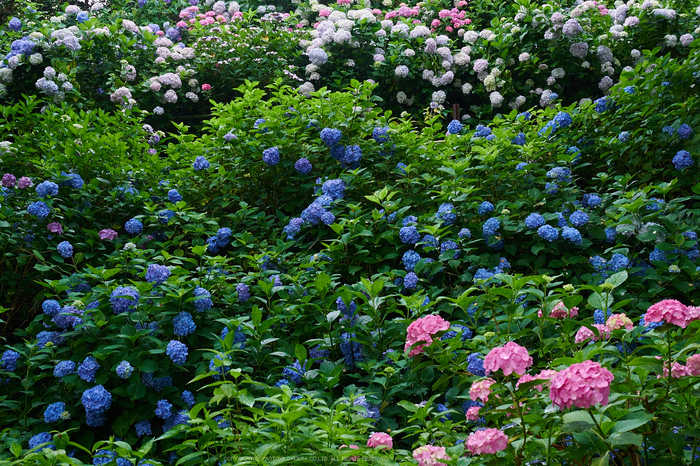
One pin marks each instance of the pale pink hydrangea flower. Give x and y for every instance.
(487, 441)
(353, 447)
(582, 385)
(108, 234)
(55, 227)
(510, 358)
(672, 312)
(559, 311)
(473, 413)
(380, 439)
(428, 455)
(423, 329)
(617, 321)
(481, 390)
(693, 365)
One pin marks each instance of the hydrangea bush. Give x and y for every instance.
(308, 275)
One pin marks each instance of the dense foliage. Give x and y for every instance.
(327, 266)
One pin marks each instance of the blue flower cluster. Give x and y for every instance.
(475, 365)
(96, 401)
(409, 235)
(124, 299)
(271, 156)
(410, 259)
(484, 132)
(202, 300)
(331, 136)
(295, 372)
(683, 160)
(548, 233)
(455, 127)
(485, 208)
(410, 280)
(64, 368)
(174, 196)
(39, 209)
(74, 180)
(372, 411)
(143, 428)
(9, 360)
(293, 227)
(573, 235)
(157, 274)
(520, 139)
(579, 218)
(351, 157)
(47, 188)
(44, 338)
(156, 383)
(534, 221)
(446, 214)
(381, 135)
(177, 352)
(88, 369)
(559, 174)
(303, 166)
(163, 409)
(221, 240)
(55, 412)
(200, 163)
(183, 324)
(491, 227)
(41, 439)
(243, 292)
(124, 370)
(65, 249)
(450, 246)
(334, 188)
(133, 226)
(239, 337)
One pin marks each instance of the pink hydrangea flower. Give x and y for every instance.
(672, 312)
(678, 370)
(510, 358)
(559, 311)
(693, 365)
(108, 234)
(583, 334)
(380, 439)
(24, 183)
(487, 441)
(206, 87)
(617, 321)
(473, 413)
(55, 227)
(423, 329)
(582, 385)
(428, 455)
(353, 447)
(325, 12)
(481, 390)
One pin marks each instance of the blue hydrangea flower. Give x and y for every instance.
(630, 89)
(454, 127)
(534, 221)
(591, 200)
(548, 232)
(352, 156)
(491, 226)
(429, 241)
(221, 369)
(464, 233)
(525, 116)
(410, 259)
(183, 324)
(44, 338)
(271, 156)
(623, 136)
(476, 365)
(9, 360)
(238, 336)
(165, 215)
(446, 214)
(74, 180)
(573, 235)
(551, 188)
(409, 235)
(124, 299)
(188, 398)
(381, 135)
(610, 233)
(410, 220)
(124, 370)
(338, 152)
(96, 399)
(156, 383)
(372, 411)
(88, 369)
(482, 131)
(177, 352)
(603, 104)
(303, 166)
(55, 412)
(328, 218)
(143, 428)
(618, 262)
(578, 218)
(599, 318)
(51, 307)
(203, 300)
(65, 249)
(520, 139)
(521, 166)
(259, 122)
(352, 350)
(174, 196)
(334, 188)
(157, 274)
(64, 368)
(133, 226)
(670, 130)
(442, 408)
(39, 209)
(683, 160)
(243, 292)
(685, 131)
(40, 439)
(450, 246)
(163, 409)
(410, 280)
(200, 163)
(401, 167)
(559, 174)
(14, 25)
(295, 372)
(485, 208)
(47, 188)
(331, 136)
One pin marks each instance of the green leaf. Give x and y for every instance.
(322, 282)
(148, 365)
(332, 316)
(408, 406)
(247, 399)
(16, 449)
(617, 279)
(625, 438)
(602, 461)
(300, 353)
(629, 424)
(256, 316)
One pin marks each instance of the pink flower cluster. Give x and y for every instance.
(423, 329)
(584, 333)
(672, 312)
(108, 234)
(510, 358)
(481, 390)
(457, 19)
(546, 375)
(428, 455)
(617, 321)
(206, 87)
(678, 370)
(380, 439)
(55, 227)
(404, 11)
(10, 181)
(582, 385)
(559, 311)
(693, 365)
(487, 441)
(473, 413)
